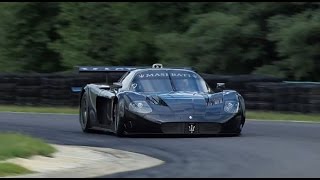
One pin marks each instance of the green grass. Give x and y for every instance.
(9, 169)
(14, 145)
(17, 145)
(13, 108)
(263, 115)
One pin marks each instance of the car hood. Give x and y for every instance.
(186, 104)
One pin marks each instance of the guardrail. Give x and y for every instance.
(259, 92)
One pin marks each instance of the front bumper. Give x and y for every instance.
(136, 124)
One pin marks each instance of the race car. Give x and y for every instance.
(158, 100)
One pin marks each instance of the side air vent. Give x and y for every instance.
(156, 100)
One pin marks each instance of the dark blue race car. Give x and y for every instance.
(159, 100)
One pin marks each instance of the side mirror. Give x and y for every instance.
(117, 85)
(76, 89)
(220, 86)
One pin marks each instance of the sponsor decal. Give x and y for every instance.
(187, 75)
(178, 75)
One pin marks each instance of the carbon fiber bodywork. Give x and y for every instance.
(137, 125)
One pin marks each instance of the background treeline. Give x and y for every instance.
(276, 38)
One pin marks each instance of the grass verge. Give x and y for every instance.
(263, 115)
(13, 108)
(9, 169)
(267, 115)
(16, 145)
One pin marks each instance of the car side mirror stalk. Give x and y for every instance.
(116, 85)
(220, 87)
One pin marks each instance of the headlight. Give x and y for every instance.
(231, 106)
(140, 107)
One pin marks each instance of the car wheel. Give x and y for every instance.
(239, 129)
(84, 114)
(119, 125)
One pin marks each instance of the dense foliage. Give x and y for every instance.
(280, 39)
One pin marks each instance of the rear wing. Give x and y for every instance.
(105, 69)
(115, 69)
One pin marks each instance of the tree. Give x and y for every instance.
(87, 33)
(280, 39)
(216, 43)
(141, 23)
(298, 44)
(27, 35)
(174, 49)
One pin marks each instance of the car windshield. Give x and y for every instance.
(167, 81)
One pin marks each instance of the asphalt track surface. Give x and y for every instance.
(265, 149)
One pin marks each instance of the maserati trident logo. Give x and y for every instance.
(191, 128)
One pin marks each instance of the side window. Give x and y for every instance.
(123, 76)
(125, 81)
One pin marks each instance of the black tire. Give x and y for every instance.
(238, 133)
(239, 129)
(119, 125)
(84, 117)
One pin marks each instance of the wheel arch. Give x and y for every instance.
(81, 94)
